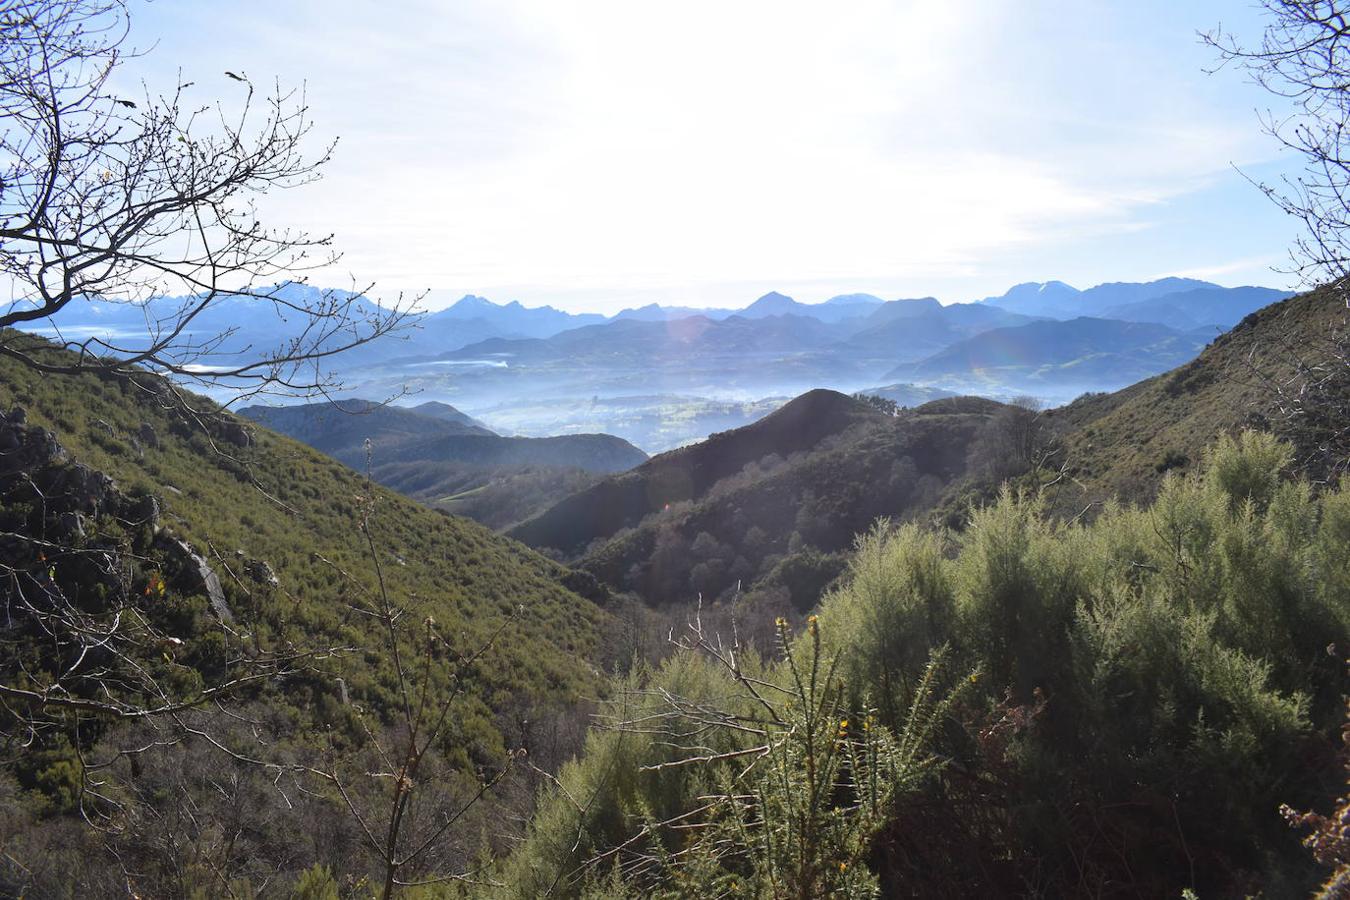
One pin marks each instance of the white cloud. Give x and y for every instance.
(593, 147)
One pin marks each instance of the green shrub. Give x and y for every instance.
(1152, 686)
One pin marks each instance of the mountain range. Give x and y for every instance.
(269, 546)
(769, 509)
(517, 363)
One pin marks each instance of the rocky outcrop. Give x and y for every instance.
(144, 511)
(198, 575)
(81, 488)
(67, 498)
(25, 448)
(222, 428)
(233, 432)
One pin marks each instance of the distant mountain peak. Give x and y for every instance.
(472, 301)
(772, 304)
(475, 303)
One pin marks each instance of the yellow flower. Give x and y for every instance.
(843, 866)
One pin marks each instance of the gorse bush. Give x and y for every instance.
(798, 819)
(1151, 685)
(725, 776)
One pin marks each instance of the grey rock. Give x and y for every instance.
(148, 437)
(27, 448)
(260, 571)
(205, 578)
(144, 510)
(70, 525)
(83, 489)
(235, 433)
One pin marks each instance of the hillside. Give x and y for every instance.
(1056, 359)
(341, 427)
(438, 410)
(496, 496)
(245, 499)
(445, 459)
(758, 509)
(411, 436)
(689, 472)
(1122, 443)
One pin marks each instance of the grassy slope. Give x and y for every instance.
(1120, 443)
(465, 576)
(498, 497)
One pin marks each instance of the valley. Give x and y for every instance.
(526, 451)
(662, 377)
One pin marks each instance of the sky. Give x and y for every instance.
(599, 154)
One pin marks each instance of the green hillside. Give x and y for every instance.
(769, 508)
(782, 527)
(689, 472)
(460, 571)
(499, 497)
(1122, 443)
(444, 459)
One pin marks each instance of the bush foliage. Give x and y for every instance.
(1148, 689)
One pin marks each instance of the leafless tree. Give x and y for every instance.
(145, 204)
(412, 818)
(1015, 440)
(1303, 59)
(148, 203)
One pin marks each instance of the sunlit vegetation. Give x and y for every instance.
(281, 503)
(1138, 697)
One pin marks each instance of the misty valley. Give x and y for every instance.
(591, 451)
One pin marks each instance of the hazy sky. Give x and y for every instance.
(595, 154)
